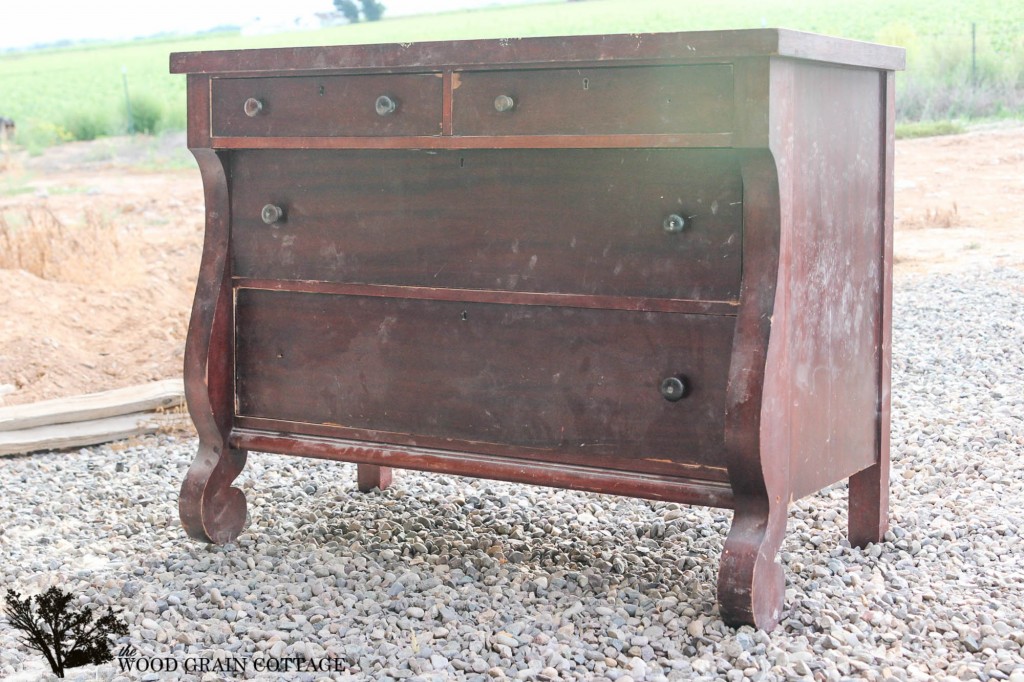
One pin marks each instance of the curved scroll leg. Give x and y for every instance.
(210, 509)
(750, 581)
(370, 476)
(751, 585)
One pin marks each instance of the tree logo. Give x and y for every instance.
(65, 635)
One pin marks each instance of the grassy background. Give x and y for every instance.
(78, 93)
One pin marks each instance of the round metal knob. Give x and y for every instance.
(675, 223)
(674, 388)
(385, 105)
(252, 107)
(271, 214)
(504, 103)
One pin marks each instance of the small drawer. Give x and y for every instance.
(602, 101)
(663, 223)
(605, 388)
(327, 106)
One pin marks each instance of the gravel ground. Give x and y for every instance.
(448, 578)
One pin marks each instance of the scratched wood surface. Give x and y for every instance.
(512, 53)
(566, 384)
(834, 272)
(582, 221)
(328, 105)
(655, 99)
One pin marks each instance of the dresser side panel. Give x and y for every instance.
(827, 136)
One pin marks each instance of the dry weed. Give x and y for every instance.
(937, 217)
(174, 421)
(92, 252)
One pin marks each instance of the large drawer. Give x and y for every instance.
(564, 384)
(327, 106)
(574, 221)
(602, 101)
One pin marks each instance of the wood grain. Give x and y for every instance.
(616, 49)
(79, 433)
(324, 106)
(565, 383)
(605, 101)
(573, 221)
(643, 304)
(119, 401)
(647, 486)
(211, 510)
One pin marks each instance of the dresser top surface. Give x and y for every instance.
(688, 47)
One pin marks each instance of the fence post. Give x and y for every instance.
(974, 54)
(127, 100)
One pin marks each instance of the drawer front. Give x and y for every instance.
(653, 99)
(566, 384)
(554, 221)
(327, 106)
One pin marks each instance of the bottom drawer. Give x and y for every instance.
(579, 386)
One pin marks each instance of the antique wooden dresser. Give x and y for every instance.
(647, 265)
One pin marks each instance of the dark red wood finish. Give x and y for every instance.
(692, 47)
(869, 489)
(578, 221)
(370, 476)
(833, 275)
(458, 289)
(648, 486)
(326, 106)
(606, 101)
(555, 383)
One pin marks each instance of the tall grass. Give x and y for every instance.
(37, 241)
(88, 123)
(146, 114)
(957, 76)
(46, 90)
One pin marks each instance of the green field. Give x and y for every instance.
(79, 92)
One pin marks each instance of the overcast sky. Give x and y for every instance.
(28, 22)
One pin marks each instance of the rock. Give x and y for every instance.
(695, 628)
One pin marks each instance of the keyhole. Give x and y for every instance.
(586, 83)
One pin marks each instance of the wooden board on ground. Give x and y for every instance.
(94, 406)
(79, 434)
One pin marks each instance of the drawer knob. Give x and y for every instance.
(675, 223)
(385, 105)
(252, 107)
(504, 103)
(674, 388)
(271, 214)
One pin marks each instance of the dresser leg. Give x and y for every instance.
(370, 476)
(869, 505)
(751, 585)
(210, 509)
